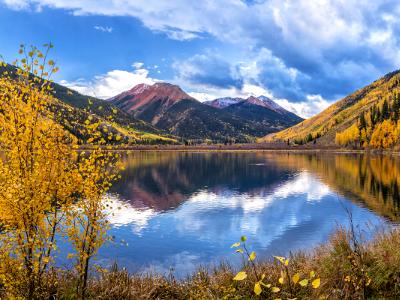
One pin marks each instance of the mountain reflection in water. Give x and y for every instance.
(182, 210)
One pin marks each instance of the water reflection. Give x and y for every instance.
(181, 210)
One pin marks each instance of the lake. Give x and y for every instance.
(180, 210)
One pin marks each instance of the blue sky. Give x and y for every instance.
(303, 54)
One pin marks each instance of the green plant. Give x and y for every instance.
(288, 285)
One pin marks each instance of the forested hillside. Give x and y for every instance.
(368, 118)
(72, 109)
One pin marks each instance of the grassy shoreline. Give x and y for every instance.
(348, 268)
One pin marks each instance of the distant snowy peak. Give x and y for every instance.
(272, 104)
(257, 101)
(260, 101)
(223, 102)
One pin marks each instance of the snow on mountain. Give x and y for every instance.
(272, 104)
(223, 102)
(261, 101)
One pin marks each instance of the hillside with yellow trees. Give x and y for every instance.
(368, 118)
(71, 109)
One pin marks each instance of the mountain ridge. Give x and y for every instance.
(168, 107)
(260, 100)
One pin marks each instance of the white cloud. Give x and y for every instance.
(312, 105)
(336, 44)
(112, 83)
(103, 29)
(202, 96)
(16, 4)
(327, 23)
(255, 90)
(308, 108)
(205, 93)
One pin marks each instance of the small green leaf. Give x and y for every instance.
(243, 238)
(304, 282)
(257, 288)
(312, 274)
(252, 256)
(240, 276)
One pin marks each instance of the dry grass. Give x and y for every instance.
(348, 268)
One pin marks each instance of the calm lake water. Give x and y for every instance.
(182, 210)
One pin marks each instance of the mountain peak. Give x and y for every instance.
(271, 104)
(256, 101)
(144, 94)
(260, 101)
(139, 88)
(223, 102)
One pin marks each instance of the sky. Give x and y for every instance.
(303, 54)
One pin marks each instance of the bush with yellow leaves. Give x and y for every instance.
(47, 187)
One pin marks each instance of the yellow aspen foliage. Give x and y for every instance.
(384, 135)
(349, 136)
(364, 137)
(44, 181)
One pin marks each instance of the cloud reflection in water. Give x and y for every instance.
(298, 213)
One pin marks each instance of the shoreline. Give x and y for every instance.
(265, 147)
(342, 272)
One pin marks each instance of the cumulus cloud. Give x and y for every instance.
(209, 70)
(210, 76)
(307, 108)
(271, 72)
(112, 83)
(321, 47)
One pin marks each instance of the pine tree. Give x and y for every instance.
(363, 122)
(396, 107)
(309, 138)
(385, 114)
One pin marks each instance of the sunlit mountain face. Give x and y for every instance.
(186, 209)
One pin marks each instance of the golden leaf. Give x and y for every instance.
(240, 276)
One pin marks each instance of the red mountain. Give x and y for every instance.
(255, 101)
(156, 98)
(168, 107)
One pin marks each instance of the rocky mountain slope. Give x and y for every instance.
(169, 108)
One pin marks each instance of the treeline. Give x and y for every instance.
(377, 127)
(310, 138)
(222, 140)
